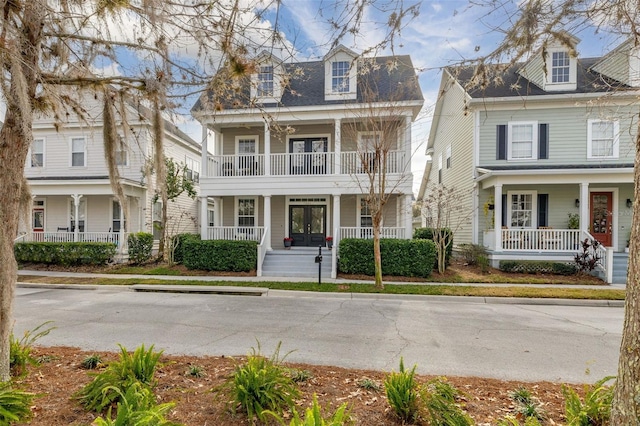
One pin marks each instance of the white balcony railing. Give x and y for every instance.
(250, 233)
(301, 164)
(567, 240)
(367, 233)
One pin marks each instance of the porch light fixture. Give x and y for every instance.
(577, 202)
(629, 203)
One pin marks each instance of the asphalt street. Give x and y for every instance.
(454, 336)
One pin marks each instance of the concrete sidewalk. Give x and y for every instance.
(265, 291)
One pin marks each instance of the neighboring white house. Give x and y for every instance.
(290, 149)
(555, 138)
(69, 179)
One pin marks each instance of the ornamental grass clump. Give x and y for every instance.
(402, 392)
(20, 350)
(594, 410)
(15, 405)
(440, 404)
(262, 385)
(313, 416)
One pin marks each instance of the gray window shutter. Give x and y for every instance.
(504, 210)
(543, 210)
(543, 141)
(501, 142)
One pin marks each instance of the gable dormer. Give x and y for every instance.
(621, 64)
(554, 68)
(268, 81)
(340, 74)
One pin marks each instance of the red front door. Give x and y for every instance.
(601, 207)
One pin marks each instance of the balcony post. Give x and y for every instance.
(76, 208)
(336, 238)
(584, 208)
(267, 149)
(204, 154)
(204, 217)
(497, 209)
(337, 160)
(267, 222)
(406, 161)
(408, 217)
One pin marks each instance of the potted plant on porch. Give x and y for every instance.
(287, 242)
(329, 240)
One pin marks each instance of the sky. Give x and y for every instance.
(444, 33)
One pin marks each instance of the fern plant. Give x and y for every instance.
(20, 350)
(313, 416)
(15, 405)
(402, 392)
(595, 410)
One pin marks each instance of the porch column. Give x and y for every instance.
(204, 161)
(497, 209)
(76, 207)
(407, 144)
(584, 208)
(337, 136)
(408, 217)
(204, 217)
(121, 231)
(336, 236)
(267, 149)
(267, 222)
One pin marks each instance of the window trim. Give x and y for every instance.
(448, 156)
(360, 143)
(259, 93)
(615, 143)
(362, 199)
(534, 208)
(534, 140)
(345, 86)
(71, 151)
(256, 210)
(548, 78)
(32, 153)
(256, 141)
(566, 58)
(122, 220)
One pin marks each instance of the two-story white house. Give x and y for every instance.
(293, 150)
(73, 199)
(554, 139)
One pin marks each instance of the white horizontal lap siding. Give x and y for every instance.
(567, 143)
(616, 65)
(455, 129)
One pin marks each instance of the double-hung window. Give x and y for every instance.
(265, 81)
(247, 212)
(117, 221)
(521, 208)
(602, 139)
(560, 67)
(523, 140)
(340, 77)
(37, 153)
(78, 152)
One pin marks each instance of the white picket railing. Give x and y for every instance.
(69, 237)
(251, 233)
(604, 254)
(307, 163)
(367, 162)
(235, 165)
(262, 252)
(367, 233)
(567, 240)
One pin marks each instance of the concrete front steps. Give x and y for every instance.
(620, 266)
(296, 262)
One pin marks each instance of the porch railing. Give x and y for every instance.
(69, 237)
(367, 233)
(250, 233)
(604, 254)
(300, 164)
(262, 252)
(567, 240)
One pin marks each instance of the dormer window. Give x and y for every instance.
(265, 81)
(560, 67)
(340, 77)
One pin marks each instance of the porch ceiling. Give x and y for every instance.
(488, 178)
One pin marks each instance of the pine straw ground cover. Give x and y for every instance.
(60, 374)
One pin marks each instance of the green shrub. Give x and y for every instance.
(527, 406)
(595, 410)
(313, 416)
(369, 384)
(471, 253)
(220, 255)
(178, 245)
(140, 246)
(91, 362)
(261, 386)
(402, 392)
(195, 371)
(411, 258)
(137, 406)
(108, 386)
(537, 267)
(20, 350)
(15, 405)
(440, 404)
(432, 234)
(66, 254)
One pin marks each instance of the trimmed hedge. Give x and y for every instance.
(427, 234)
(408, 258)
(66, 254)
(179, 240)
(220, 255)
(538, 267)
(140, 246)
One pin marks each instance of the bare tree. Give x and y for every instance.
(53, 53)
(533, 25)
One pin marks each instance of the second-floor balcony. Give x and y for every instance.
(309, 164)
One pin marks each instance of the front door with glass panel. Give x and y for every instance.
(308, 156)
(601, 217)
(307, 225)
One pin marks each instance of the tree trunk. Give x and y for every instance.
(626, 401)
(22, 58)
(377, 256)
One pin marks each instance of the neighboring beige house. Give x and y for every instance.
(291, 150)
(544, 144)
(72, 196)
